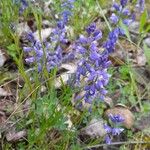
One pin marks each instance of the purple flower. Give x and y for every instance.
(30, 59)
(114, 19)
(127, 21)
(99, 85)
(116, 118)
(107, 128)
(71, 1)
(81, 49)
(60, 24)
(140, 5)
(83, 39)
(30, 37)
(44, 56)
(126, 12)
(97, 35)
(117, 7)
(123, 12)
(133, 16)
(81, 70)
(65, 16)
(123, 2)
(113, 131)
(91, 28)
(113, 36)
(93, 66)
(108, 139)
(27, 49)
(68, 4)
(116, 131)
(24, 5)
(94, 46)
(121, 32)
(94, 56)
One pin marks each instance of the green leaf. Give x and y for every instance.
(147, 53)
(12, 50)
(147, 28)
(125, 28)
(143, 20)
(146, 107)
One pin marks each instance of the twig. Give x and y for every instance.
(116, 143)
(103, 15)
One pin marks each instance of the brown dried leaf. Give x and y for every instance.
(4, 92)
(13, 136)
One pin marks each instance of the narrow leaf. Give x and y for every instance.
(147, 53)
(143, 20)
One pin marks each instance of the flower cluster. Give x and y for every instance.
(121, 12)
(43, 51)
(140, 5)
(59, 33)
(112, 131)
(49, 53)
(67, 6)
(92, 65)
(113, 36)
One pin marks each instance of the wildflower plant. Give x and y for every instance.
(94, 60)
(121, 12)
(92, 68)
(92, 71)
(92, 65)
(115, 120)
(50, 51)
(93, 56)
